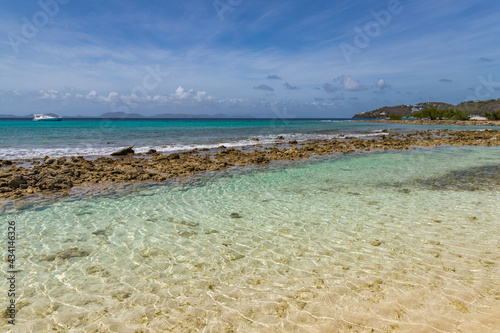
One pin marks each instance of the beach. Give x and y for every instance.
(380, 229)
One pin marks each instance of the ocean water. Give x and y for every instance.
(26, 139)
(379, 242)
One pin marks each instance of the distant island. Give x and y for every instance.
(487, 108)
(124, 115)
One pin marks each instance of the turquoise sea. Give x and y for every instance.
(27, 139)
(397, 241)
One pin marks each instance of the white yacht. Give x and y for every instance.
(44, 117)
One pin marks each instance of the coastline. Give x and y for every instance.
(440, 122)
(59, 176)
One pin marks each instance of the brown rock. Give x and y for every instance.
(123, 152)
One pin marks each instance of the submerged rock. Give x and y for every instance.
(190, 224)
(66, 254)
(236, 216)
(187, 234)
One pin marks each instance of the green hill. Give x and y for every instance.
(471, 107)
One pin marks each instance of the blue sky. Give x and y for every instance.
(240, 57)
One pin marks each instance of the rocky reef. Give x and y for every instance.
(59, 176)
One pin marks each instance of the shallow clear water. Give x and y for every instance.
(359, 243)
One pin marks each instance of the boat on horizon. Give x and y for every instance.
(45, 117)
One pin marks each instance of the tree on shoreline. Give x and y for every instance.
(494, 115)
(434, 113)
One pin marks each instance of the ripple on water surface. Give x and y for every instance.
(368, 242)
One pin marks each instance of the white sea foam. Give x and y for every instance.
(14, 153)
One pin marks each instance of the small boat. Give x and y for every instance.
(44, 117)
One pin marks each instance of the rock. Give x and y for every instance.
(236, 216)
(123, 152)
(187, 234)
(174, 156)
(281, 137)
(17, 181)
(190, 224)
(260, 160)
(101, 232)
(66, 254)
(4, 163)
(236, 256)
(151, 152)
(255, 139)
(376, 242)
(292, 142)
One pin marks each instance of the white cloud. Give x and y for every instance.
(381, 84)
(92, 95)
(350, 84)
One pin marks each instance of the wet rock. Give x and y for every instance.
(280, 137)
(236, 216)
(4, 163)
(17, 181)
(151, 152)
(260, 159)
(187, 234)
(66, 254)
(236, 256)
(101, 232)
(174, 156)
(121, 295)
(292, 142)
(190, 224)
(376, 243)
(255, 139)
(124, 151)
